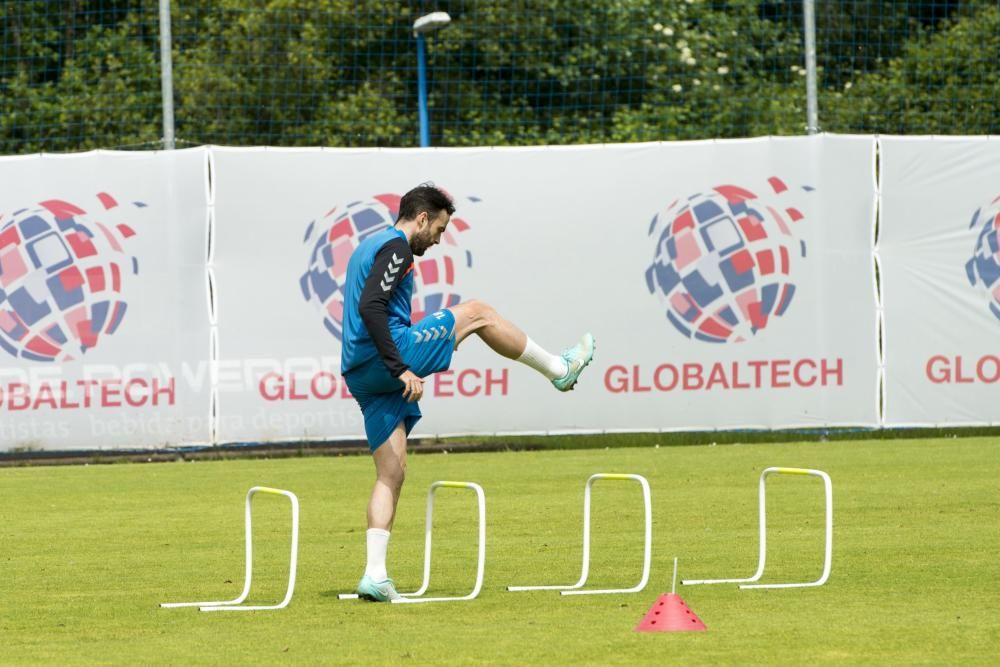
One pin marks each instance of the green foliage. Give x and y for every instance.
(620, 72)
(81, 85)
(77, 74)
(943, 82)
(294, 72)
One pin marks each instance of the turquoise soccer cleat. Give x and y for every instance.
(577, 358)
(377, 591)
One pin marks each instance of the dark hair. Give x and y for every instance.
(425, 198)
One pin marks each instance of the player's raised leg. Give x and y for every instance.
(506, 339)
(390, 473)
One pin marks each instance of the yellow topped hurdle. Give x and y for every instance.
(828, 551)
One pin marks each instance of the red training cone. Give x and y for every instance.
(669, 614)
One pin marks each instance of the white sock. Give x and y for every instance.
(550, 365)
(378, 544)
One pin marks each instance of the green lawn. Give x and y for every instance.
(88, 552)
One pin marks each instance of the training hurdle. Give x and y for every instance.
(828, 554)
(573, 589)
(235, 604)
(416, 596)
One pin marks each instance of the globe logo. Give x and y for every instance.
(983, 269)
(62, 274)
(724, 261)
(332, 239)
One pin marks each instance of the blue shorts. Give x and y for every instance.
(426, 347)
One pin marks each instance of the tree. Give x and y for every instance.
(943, 82)
(77, 74)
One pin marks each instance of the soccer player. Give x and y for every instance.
(385, 358)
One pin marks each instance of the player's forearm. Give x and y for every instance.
(377, 322)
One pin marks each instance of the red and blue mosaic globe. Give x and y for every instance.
(724, 261)
(332, 239)
(62, 273)
(983, 269)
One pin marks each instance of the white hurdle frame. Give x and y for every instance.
(235, 603)
(573, 589)
(415, 596)
(828, 552)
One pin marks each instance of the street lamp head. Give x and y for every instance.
(430, 22)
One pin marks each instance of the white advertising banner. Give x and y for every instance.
(728, 284)
(104, 330)
(940, 269)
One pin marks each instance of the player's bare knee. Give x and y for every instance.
(391, 472)
(394, 477)
(481, 313)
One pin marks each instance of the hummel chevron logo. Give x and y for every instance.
(433, 333)
(390, 273)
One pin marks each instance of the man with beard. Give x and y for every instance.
(385, 358)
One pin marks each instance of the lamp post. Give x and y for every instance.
(424, 24)
(166, 76)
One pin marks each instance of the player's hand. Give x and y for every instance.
(413, 386)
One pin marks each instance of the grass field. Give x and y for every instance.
(88, 552)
